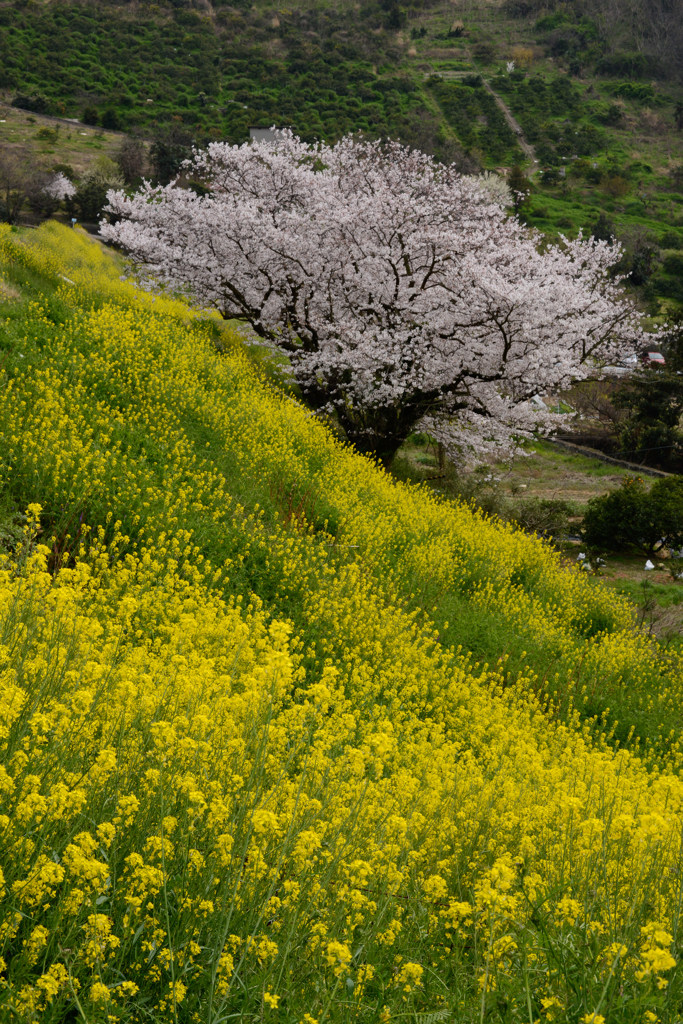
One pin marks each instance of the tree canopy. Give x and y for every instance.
(397, 287)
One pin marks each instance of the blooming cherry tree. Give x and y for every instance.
(497, 188)
(400, 290)
(59, 188)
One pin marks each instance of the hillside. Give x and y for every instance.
(248, 767)
(598, 101)
(323, 69)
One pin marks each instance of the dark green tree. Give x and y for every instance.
(170, 147)
(90, 115)
(518, 184)
(131, 159)
(672, 342)
(639, 257)
(110, 119)
(603, 229)
(654, 399)
(633, 517)
(90, 198)
(396, 17)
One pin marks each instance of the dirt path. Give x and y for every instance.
(455, 76)
(526, 147)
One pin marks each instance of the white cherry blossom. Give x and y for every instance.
(59, 187)
(496, 187)
(399, 289)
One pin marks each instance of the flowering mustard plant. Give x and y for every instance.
(240, 774)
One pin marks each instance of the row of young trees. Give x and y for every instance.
(401, 292)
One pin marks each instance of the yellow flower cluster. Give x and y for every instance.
(237, 766)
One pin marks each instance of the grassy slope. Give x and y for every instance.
(77, 146)
(362, 764)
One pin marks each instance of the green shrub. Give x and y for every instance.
(612, 116)
(66, 169)
(668, 288)
(485, 52)
(35, 103)
(632, 516)
(548, 517)
(603, 229)
(673, 263)
(671, 240)
(635, 91)
(551, 21)
(639, 167)
(628, 65)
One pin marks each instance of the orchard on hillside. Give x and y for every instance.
(401, 291)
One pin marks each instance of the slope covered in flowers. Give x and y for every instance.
(246, 770)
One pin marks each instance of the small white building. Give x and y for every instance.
(265, 134)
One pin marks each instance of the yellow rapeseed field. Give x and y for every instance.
(244, 774)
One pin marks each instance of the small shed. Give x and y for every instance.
(265, 134)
